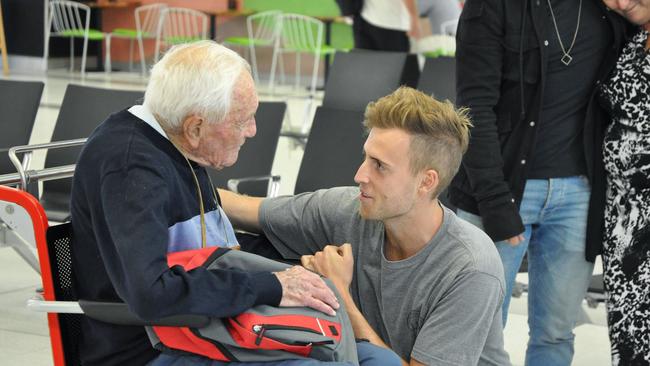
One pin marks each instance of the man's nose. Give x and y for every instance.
(361, 176)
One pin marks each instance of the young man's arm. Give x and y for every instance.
(337, 264)
(242, 211)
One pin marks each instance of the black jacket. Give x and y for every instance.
(501, 64)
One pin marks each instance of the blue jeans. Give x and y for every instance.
(369, 355)
(554, 213)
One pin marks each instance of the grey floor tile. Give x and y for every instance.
(20, 344)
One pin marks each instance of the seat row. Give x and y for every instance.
(84, 107)
(285, 33)
(166, 25)
(332, 153)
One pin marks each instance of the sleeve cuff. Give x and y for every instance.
(501, 220)
(268, 289)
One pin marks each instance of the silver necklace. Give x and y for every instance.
(566, 58)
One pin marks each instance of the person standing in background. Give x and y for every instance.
(532, 176)
(443, 15)
(385, 25)
(626, 252)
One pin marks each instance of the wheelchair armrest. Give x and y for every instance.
(50, 173)
(114, 313)
(273, 189)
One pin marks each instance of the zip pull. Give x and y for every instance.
(259, 329)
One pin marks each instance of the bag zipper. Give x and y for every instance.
(260, 329)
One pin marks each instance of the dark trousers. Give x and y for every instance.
(369, 37)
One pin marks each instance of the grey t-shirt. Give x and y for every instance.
(441, 306)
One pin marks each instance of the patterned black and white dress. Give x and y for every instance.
(626, 256)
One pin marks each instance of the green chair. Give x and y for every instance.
(262, 29)
(180, 25)
(300, 34)
(147, 18)
(71, 19)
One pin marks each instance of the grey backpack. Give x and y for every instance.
(262, 333)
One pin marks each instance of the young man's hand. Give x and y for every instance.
(333, 262)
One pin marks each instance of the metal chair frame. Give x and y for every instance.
(69, 16)
(180, 25)
(262, 29)
(299, 34)
(147, 19)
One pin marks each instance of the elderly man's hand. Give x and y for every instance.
(333, 262)
(303, 288)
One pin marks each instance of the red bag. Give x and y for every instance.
(262, 333)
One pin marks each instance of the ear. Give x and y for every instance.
(191, 130)
(429, 182)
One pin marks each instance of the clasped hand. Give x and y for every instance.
(333, 262)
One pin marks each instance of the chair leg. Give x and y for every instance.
(274, 61)
(256, 75)
(143, 62)
(131, 55)
(46, 52)
(71, 54)
(314, 75)
(83, 57)
(107, 62)
(157, 54)
(306, 116)
(296, 82)
(3, 47)
(312, 94)
(283, 76)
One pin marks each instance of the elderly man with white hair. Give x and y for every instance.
(141, 191)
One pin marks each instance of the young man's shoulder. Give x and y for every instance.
(474, 246)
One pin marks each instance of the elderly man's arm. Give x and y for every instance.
(337, 264)
(134, 244)
(242, 211)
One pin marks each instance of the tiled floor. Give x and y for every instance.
(24, 335)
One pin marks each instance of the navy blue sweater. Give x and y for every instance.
(134, 200)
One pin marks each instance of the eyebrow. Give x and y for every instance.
(383, 162)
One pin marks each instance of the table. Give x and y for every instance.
(104, 4)
(227, 13)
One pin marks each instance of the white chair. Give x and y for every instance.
(71, 19)
(300, 34)
(180, 25)
(262, 29)
(147, 18)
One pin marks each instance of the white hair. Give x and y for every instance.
(193, 79)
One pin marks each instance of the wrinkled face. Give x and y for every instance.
(388, 188)
(220, 142)
(636, 11)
